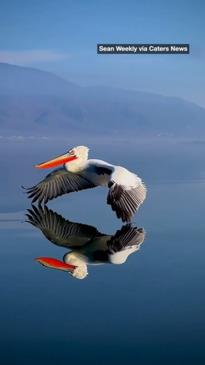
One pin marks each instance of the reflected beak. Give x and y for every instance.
(55, 264)
(60, 160)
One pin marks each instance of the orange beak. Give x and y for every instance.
(55, 264)
(60, 160)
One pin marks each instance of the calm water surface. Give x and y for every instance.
(148, 310)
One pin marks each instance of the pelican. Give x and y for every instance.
(126, 190)
(87, 246)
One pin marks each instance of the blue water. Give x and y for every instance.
(149, 310)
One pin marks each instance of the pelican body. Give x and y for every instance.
(86, 245)
(126, 190)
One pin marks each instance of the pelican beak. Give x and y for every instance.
(55, 264)
(59, 160)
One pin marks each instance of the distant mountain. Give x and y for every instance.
(34, 102)
(30, 81)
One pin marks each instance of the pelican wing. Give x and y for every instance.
(127, 192)
(57, 183)
(128, 239)
(59, 230)
(127, 236)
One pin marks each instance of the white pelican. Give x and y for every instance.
(86, 244)
(126, 190)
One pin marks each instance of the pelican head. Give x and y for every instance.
(76, 259)
(72, 263)
(79, 153)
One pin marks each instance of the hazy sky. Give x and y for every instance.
(61, 36)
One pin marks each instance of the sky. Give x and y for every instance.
(61, 37)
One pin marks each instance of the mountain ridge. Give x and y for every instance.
(39, 102)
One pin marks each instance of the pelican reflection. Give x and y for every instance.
(87, 246)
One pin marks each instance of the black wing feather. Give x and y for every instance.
(58, 230)
(125, 201)
(57, 183)
(127, 236)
